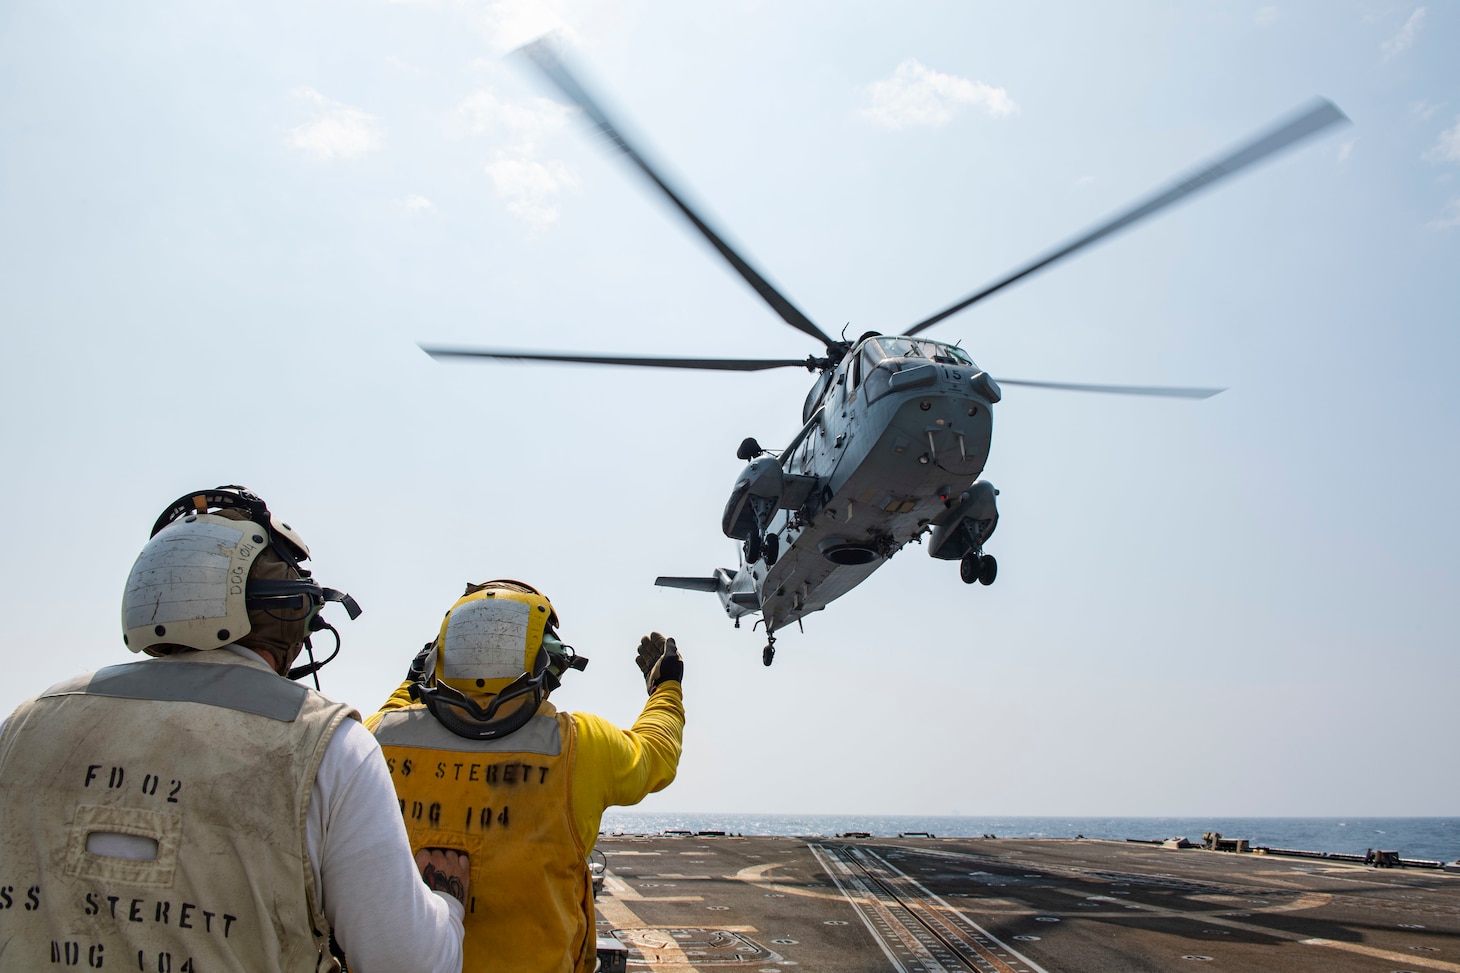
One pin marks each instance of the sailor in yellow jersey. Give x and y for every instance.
(481, 761)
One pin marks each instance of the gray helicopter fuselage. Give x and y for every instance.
(892, 441)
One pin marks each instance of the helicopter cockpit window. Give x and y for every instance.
(879, 349)
(813, 398)
(886, 354)
(953, 355)
(872, 355)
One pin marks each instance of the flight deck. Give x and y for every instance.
(922, 904)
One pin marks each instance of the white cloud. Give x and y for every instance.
(528, 122)
(402, 65)
(414, 205)
(918, 95)
(1424, 110)
(1266, 16)
(531, 187)
(529, 183)
(337, 131)
(1401, 41)
(511, 23)
(1346, 149)
(1450, 218)
(508, 24)
(1447, 149)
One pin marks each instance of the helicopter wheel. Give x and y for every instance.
(772, 549)
(752, 548)
(969, 567)
(768, 655)
(988, 569)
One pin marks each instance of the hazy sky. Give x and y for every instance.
(224, 227)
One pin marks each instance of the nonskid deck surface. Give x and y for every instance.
(971, 905)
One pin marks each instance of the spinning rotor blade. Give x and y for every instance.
(711, 364)
(1168, 392)
(1321, 115)
(543, 55)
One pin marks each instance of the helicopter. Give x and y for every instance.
(896, 429)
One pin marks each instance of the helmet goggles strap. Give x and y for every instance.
(460, 714)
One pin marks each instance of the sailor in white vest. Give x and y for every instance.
(199, 812)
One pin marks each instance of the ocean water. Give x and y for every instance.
(1436, 839)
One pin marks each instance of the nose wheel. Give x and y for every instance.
(758, 547)
(976, 567)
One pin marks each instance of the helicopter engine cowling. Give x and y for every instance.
(966, 525)
(755, 497)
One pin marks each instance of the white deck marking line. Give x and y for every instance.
(825, 861)
(1400, 959)
(960, 916)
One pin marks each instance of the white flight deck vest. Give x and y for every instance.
(211, 755)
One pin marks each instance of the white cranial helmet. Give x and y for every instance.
(190, 586)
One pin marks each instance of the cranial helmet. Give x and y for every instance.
(219, 569)
(500, 641)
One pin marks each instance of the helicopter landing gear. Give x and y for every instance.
(988, 569)
(768, 654)
(982, 568)
(757, 548)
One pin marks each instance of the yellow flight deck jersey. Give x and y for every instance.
(526, 808)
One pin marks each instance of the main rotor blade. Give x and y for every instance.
(1311, 121)
(542, 54)
(1169, 392)
(711, 364)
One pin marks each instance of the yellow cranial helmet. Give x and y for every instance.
(492, 635)
(497, 658)
(497, 653)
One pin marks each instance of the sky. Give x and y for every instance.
(225, 228)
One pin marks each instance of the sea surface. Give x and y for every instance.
(1435, 839)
